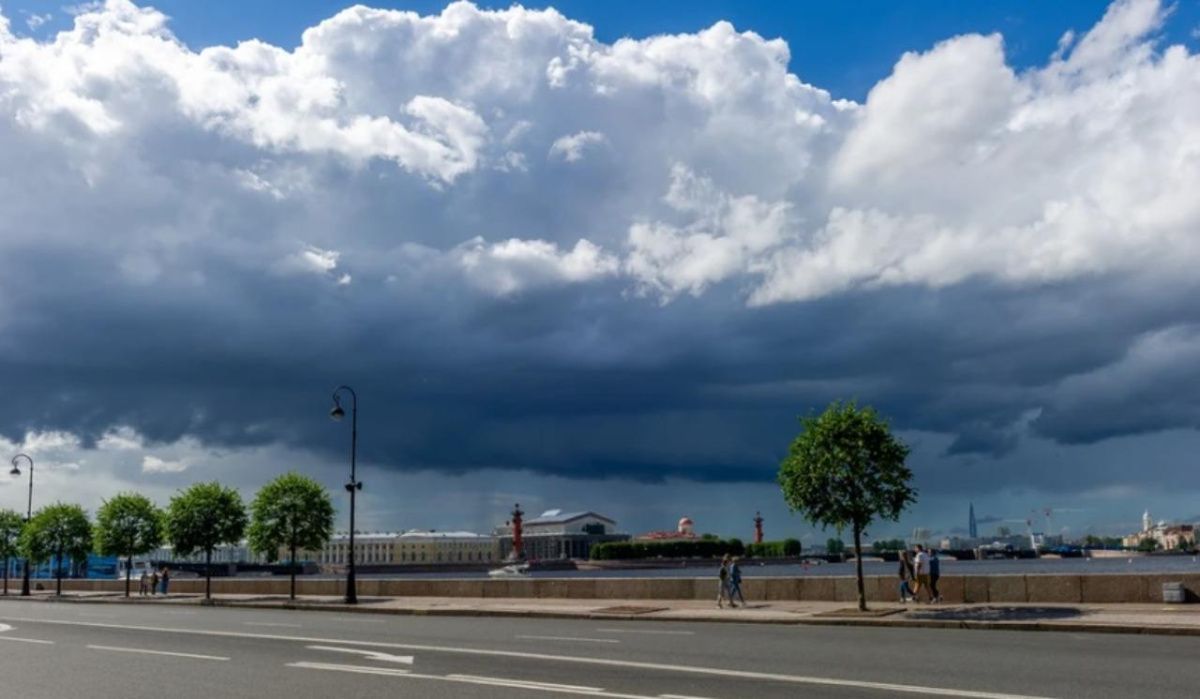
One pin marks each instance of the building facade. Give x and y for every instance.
(558, 535)
(413, 547)
(1165, 536)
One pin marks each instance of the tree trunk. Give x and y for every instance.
(128, 573)
(293, 567)
(208, 574)
(862, 596)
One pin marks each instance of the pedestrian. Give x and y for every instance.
(153, 582)
(723, 582)
(905, 573)
(166, 579)
(735, 582)
(143, 583)
(935, 572)
(922, 565)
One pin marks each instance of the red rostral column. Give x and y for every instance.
(758, 520)
(518, 545)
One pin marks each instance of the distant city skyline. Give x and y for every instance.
(603, 257)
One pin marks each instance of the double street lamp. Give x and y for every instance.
(16, 471)
(355, 485)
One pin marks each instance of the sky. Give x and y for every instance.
(603, 256)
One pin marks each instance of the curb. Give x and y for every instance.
(891, 622)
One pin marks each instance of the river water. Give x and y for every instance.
(1069, 566)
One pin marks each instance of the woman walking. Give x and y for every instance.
(723, 582)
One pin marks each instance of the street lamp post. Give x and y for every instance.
(355, 485)
(16, 471)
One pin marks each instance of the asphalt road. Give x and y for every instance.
(51, 651)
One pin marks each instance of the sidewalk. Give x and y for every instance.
(1110, 618)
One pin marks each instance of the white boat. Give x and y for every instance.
(515, 570)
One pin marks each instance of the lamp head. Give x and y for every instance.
(16, 470)
(336, 414)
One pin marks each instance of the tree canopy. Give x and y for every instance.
(11, 525)
(128, 525)
(61, 532)
(292, 512)
(203, 517)
(844, 470)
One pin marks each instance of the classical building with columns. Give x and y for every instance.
(555, 534)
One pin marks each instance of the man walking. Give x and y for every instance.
(922, 565)
(723, 590)
(935, 572)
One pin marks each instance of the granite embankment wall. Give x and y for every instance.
(954, 588)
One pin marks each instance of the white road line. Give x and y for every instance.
(679, 696)
(360, 669)
(26, 640)
(525, 684)
(274, 624)
(368, 654)
(649, 631)
(600, 662)
(357, 620)
(146, 651)
(567, 638)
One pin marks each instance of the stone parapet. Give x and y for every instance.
(996, 589)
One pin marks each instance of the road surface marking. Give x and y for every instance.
(679, 696)
(566, 638)
(26, 640)
(525, 684)
(649, 631)
(360, 669)
(5, 628)
(369, 654)
(602, 662)
(272, 623)
(146, 651)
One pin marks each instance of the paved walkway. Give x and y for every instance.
(1114, 618)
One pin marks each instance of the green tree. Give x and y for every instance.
(293, 512)
(203, 517)
(1147, 545)
(11, 525)
(128, 525)
(845, 469)
(59, 532)
(835, 546)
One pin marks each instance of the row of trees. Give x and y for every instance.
(292, 513)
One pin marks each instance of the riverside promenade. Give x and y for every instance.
(1162, 619)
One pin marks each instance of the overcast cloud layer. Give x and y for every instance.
(531, 250)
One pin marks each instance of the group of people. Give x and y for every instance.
(154, 581)
(919, 572)
(730, 582)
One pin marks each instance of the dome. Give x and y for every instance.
(685, 525)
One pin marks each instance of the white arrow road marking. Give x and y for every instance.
(547, 657)
(5, 628)
(146, 651)
(473, 679)
(369, 654)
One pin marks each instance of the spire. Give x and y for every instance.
(972, 529)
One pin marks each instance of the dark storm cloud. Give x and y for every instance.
(193, 255)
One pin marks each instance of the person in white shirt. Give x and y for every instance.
(921, 563)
